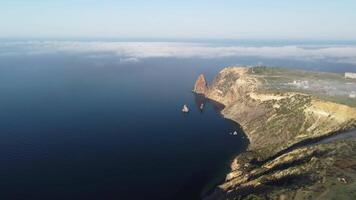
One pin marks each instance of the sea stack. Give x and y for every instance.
(185, 109)
(200, 86)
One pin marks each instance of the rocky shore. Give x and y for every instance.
(279, 118)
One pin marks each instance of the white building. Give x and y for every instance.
(352, 95)
(300, 84)
(350, 75)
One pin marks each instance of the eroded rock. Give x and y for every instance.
(200, 86)
(185, 109)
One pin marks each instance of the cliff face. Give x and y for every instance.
(200, 86)
(275, 121)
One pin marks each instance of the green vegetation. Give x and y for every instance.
(228, 81)
(327, 86)
(282, 111)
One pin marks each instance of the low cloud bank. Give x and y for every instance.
(134, 51)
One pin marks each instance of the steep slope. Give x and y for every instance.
(200, 86)
(275, 121)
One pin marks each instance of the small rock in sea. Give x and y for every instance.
(234, 133)
(201, 106)
(185, 109)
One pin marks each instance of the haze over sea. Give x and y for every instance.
(94, 119)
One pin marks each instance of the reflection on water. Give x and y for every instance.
(201, 101)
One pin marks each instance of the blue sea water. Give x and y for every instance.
(73, 130)
(73, 127)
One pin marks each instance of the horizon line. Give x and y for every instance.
(174, 39)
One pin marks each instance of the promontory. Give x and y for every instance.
(295, 121)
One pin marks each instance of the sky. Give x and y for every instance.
(192, 19)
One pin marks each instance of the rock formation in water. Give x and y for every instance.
(201, 107)
(200, 86)
(279, 120)
(185, 109)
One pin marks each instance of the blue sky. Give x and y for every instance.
(253, 19)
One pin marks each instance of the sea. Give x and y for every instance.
(102, 119)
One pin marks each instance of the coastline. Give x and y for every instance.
(240, 89)
(220, 178)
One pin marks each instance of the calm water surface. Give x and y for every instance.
(74, 128)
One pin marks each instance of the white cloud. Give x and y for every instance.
(129, 60)
(133, 51)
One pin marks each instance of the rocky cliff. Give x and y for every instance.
(279, 121)
(200, 86)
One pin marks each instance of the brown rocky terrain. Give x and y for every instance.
(279, 124)
(201, 85)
